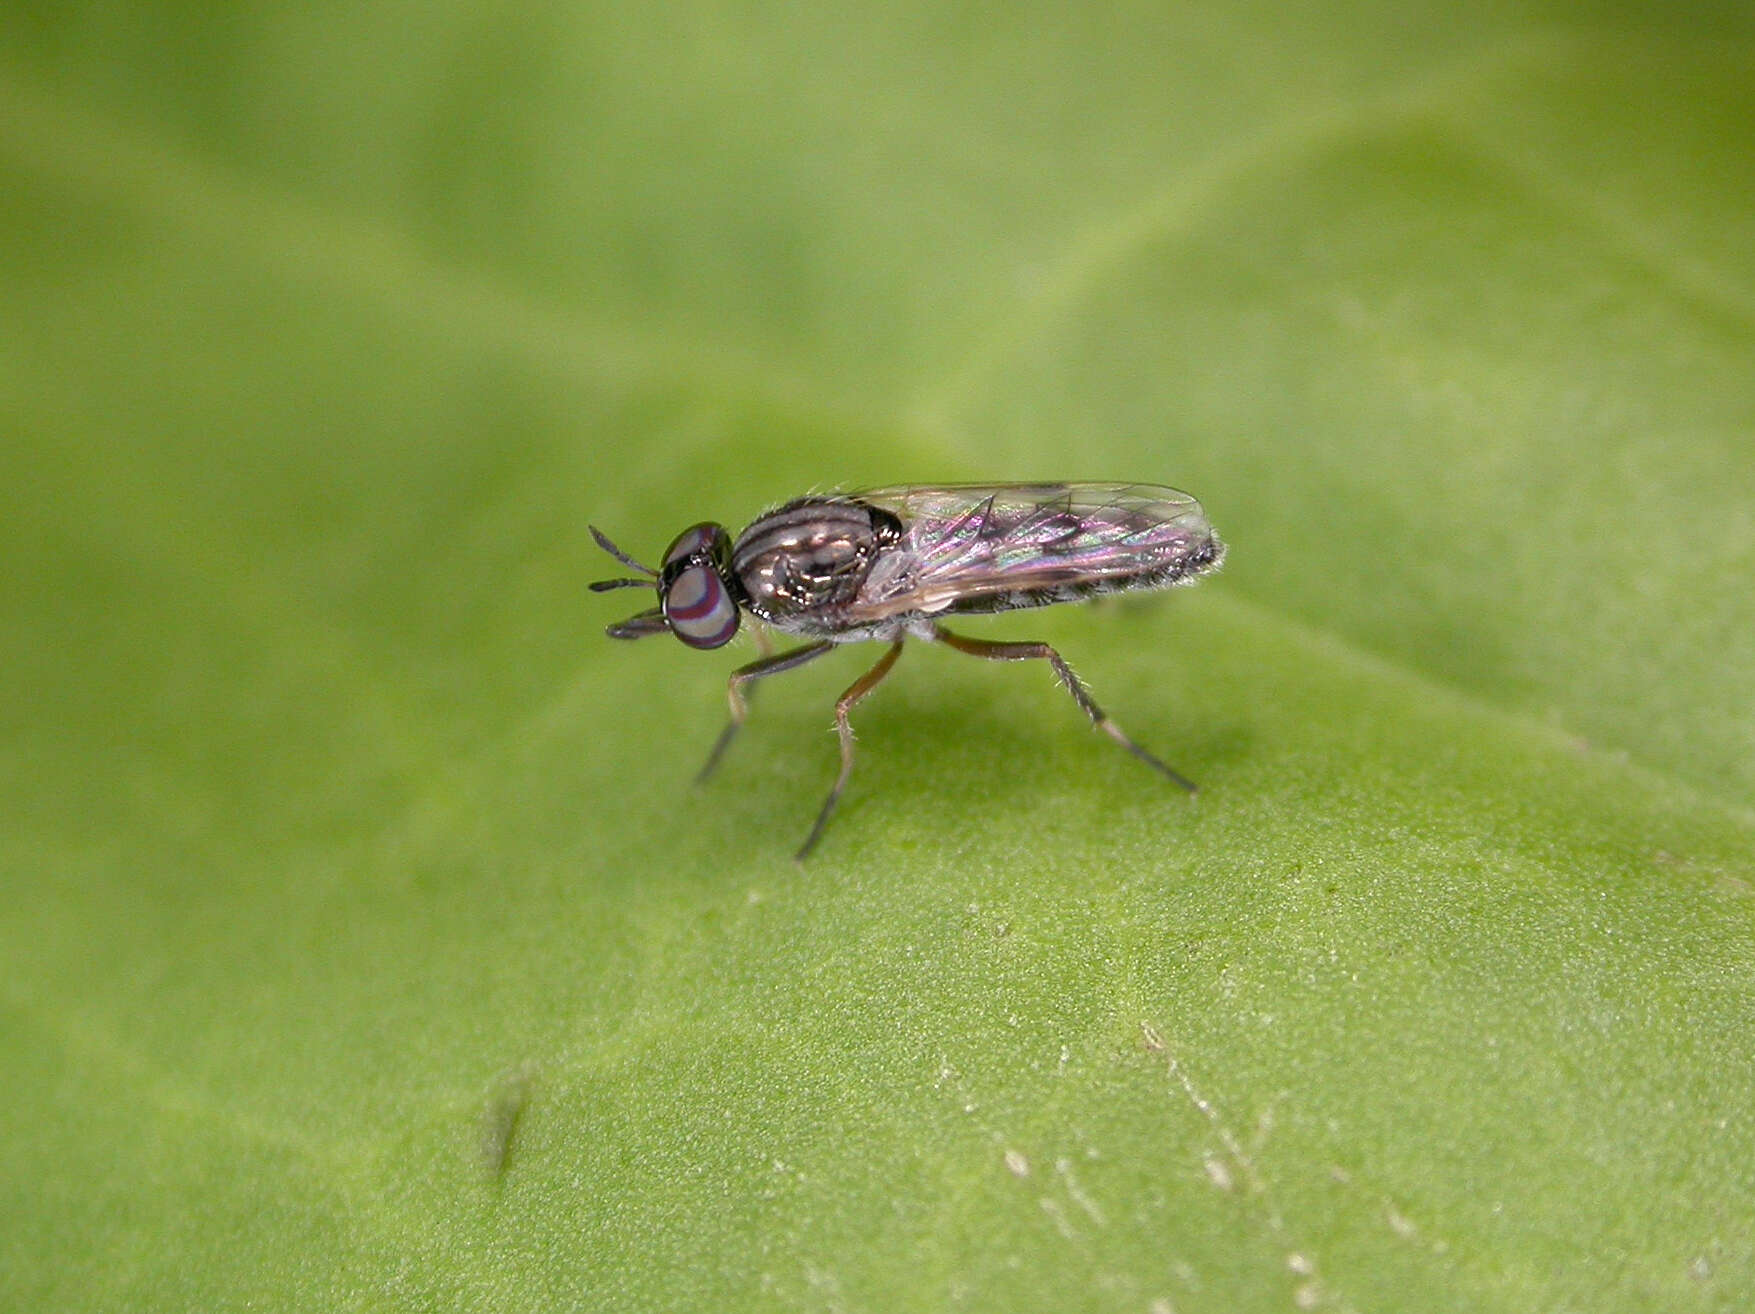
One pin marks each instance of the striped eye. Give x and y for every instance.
(700, 608)
(702, 540)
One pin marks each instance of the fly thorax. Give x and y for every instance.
(811, 555)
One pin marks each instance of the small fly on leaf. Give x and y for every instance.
(890, 563)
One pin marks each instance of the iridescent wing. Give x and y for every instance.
(991, 547)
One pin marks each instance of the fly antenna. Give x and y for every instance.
(605, 585)
(614, 551)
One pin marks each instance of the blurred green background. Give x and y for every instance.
(363, 945)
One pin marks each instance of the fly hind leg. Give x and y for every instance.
(1018, 652)
(844, 728)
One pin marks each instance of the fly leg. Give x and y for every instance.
(1018, 652)
(844, 704)
(768, 664)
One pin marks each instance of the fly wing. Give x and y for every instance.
(984, 547)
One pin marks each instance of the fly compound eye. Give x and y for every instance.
(704, 540)
(698, 604)
(699, 608)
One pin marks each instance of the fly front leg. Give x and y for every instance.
(1019, 652)
(844, 728)
(769, 664)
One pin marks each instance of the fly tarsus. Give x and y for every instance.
(772, 664)
(1019, 652)
(844, 728)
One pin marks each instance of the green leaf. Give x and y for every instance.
(364, 945)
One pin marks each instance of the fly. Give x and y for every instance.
(889, 564)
